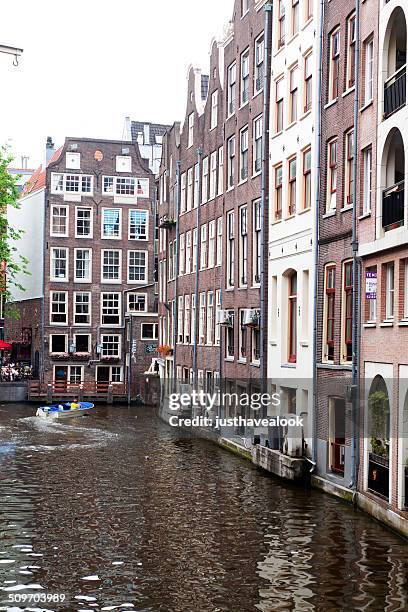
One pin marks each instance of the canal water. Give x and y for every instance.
(119, 511)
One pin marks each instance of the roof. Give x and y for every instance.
(38, 179)
(155, 129)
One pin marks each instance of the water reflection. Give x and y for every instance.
(119, 510)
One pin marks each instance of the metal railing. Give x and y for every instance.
(393, 205)
(395, 92)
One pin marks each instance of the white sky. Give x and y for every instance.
(87, 64)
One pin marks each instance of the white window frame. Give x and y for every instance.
(117, 343)
(367, 179)
(231, 89)
(245, 77)
(259, 59)
(220, 185)
(65, 346)
(123, 163)
(59, 323)
(89, 336)
(209, 332)
(389, 291)
(231, 161)
(213, 175)
(62, 182)
(89, 294)
(211, 243)
(155, 328)
(119, 313)
(190, 130)
(141, 281)
(137, 295)
(214, 110)
(111, 281)
(218, 260)
(257, 145)
(107, 237)
(243, 154)
(53, 277)
(146, 213)
(88, 279)
(72, 160)
(368, 71)
(203, 247)
(88, 209)
(66, 233)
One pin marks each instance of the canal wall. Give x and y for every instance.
(13, 392)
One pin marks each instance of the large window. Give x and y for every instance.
(347, 311)
(203, 247)
(292, 186)
(257, 241)
(219, 242)
(190, 181)
(245, 77)
(58, 343)
(213, 175)
(329, 306)
(292, 315)
(351, 50)
(243, 246)
(110, 345)
(242, 337)
(190, 130)
(111, 266)
(334, 65)
(231, 89)
(187, 321)
(257, 145)
(368, 70)
(214, 109)
(259, 64)
(82, 308)
(59, 264)
(331, 175)
(389, 291)
(59, 307)
(83, 223)
(182, 251)
(211, 244)
(307, 179)
(188, 252)
(308, 83)
(210, 317)
(278, 192)
(230, 249)
(295, 17)
(349, 169)
(59, 220)
(183, 193)
(111, 223)
(83, 272)
(217, 337)
(201, 319)
(367, 179)
(149, 331)
(293, 93)
(243, 158)
(138, 224)
(137, 266)
(204, 187)
(220, 189)
(279, 96)
(125, 186)
(110, 309)
(281, 24)
(231, 161)
(76, 184)
(137, 302)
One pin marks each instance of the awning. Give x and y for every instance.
(5, 346)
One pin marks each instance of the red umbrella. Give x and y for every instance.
(5, 346)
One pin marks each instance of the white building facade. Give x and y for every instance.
(293, 114)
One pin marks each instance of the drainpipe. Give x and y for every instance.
(263, 333)
(316, 221)
(175, 303)
(197, 264)
(42, 329)
(356, 271)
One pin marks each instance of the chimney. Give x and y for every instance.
(146, 128)
(49, 150)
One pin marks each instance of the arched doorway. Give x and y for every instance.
(379, 438)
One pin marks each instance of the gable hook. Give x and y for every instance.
(15, 60)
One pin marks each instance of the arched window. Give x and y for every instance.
(379, 437)
(292, 317)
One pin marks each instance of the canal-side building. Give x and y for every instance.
(89, 234)
(293, 125)
(334, 306)
(149, 138)
(383, 248)
(212, 228)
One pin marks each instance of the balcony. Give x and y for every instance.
(393, 206)
(395, 92)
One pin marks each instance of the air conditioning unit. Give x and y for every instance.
(251, 317)
(224, 317)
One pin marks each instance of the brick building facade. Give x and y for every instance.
(214, 297)
(96, 262)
